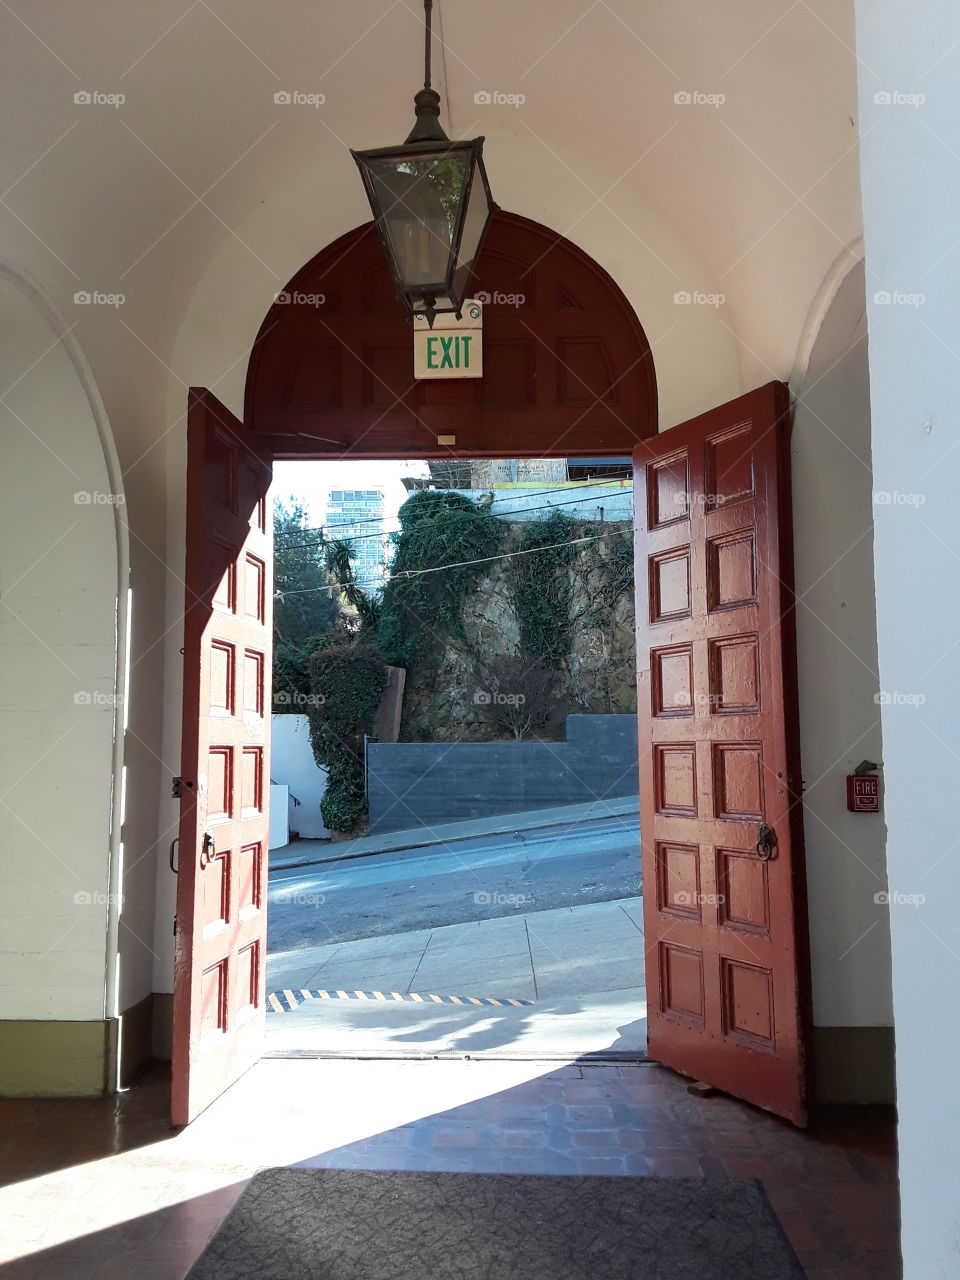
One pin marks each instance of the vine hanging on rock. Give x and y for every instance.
(437, 528)
(542, 587)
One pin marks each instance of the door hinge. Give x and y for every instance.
(178, 785)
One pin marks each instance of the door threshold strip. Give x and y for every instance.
(291, 998)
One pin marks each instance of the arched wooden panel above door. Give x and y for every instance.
(568, 370)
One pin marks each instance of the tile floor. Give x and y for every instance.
(103, 1190)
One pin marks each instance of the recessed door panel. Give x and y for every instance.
(729, 467)
(747, 993)
(731, 570)
(669, 490)
(678, 880)
(672, 681)
(744, 893)
(735, 675)
(670, 585)
(675, 771)
(738, 780)
(682, 993)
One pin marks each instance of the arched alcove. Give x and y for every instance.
(63, 625)
(567, 366)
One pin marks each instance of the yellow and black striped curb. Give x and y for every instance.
(289, 999)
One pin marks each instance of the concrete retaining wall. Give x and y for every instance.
(414, 784)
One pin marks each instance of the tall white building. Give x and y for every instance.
(356, 516)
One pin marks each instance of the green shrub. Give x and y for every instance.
(344, 803)
(346, 684)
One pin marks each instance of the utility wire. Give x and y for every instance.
(460, 564)
(363, 537)
(527, 493)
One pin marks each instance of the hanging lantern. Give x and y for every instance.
(431, 202)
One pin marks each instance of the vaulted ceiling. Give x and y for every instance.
(728, 130)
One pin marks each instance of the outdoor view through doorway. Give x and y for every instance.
(455, 848)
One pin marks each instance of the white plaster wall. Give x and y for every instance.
(292, 762)
(837, 658)
(58, 677)
(279, 826)
(911, 193)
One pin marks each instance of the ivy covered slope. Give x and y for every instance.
(539, 611)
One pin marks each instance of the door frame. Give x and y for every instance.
(598, 430)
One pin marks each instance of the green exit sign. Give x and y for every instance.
(452, 348)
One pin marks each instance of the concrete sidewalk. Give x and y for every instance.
(309, 853)
(581, 969)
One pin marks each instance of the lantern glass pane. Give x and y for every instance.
(419, 198)
(474, 222)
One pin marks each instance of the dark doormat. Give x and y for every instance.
(318, 1224)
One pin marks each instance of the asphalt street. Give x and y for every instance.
(481, 879)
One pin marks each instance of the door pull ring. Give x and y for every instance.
(208, 850)
(766, 842)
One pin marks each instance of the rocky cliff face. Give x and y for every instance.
(447, 698)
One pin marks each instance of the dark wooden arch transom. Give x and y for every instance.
(568, 370)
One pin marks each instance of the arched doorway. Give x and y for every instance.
(568, 372)
(567, 366)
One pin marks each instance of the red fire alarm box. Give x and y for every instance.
(863, 793)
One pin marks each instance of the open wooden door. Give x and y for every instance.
(218, 1012)
(723, 877)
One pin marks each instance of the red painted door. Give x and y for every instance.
(723, 884)
(218, 1022)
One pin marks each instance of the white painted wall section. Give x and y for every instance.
(911, 194)
(292, 764)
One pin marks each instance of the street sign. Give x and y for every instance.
(452, 348)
